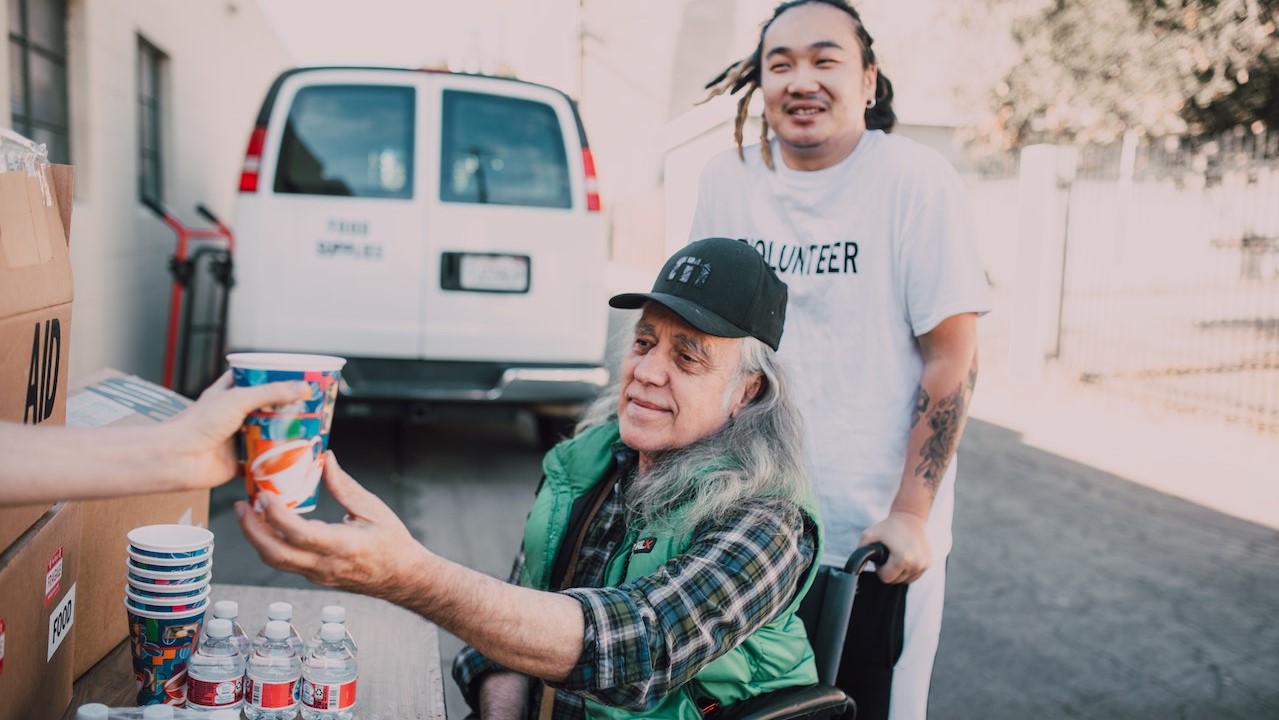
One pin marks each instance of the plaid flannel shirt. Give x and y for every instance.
(650, 636)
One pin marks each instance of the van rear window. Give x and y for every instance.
(354, 140)
(502, 151)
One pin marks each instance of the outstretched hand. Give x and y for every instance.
(367, 552)
(200, 438)
(371, 552)
(907, 540)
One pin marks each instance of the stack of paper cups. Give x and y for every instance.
(169, 568)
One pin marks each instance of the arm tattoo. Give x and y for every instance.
(921, 407)
(945, 421)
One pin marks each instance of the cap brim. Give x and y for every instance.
(692, 313)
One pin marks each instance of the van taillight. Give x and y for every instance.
(592, 185)
(252, 161)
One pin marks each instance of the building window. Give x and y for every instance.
(151, 64)
(38, 74)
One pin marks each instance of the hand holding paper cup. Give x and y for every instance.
(283, 446)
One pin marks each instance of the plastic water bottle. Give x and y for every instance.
(283, 612)
(215, 673)
(230, 610)
(329, 677)
(273, 676)
(157, 712)
(93, 711)
(334, 614)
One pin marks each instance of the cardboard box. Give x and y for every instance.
(39, 615)
(109, 397)
(35, 310)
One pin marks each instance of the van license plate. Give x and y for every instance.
(493, 273)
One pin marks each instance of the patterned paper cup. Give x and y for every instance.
(147, 590)
(161, 577)
(168, 565)
(171, 542)
(161, 644)
(166, 604)
(147, 605)
(283, 447)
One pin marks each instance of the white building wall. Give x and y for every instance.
(629, 53)
(222, 57)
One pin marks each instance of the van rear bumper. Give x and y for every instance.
(462, 381)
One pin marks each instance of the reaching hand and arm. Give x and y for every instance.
(372, 552)
(937, 422)
(193, 450)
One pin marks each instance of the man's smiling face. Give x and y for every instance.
(815, 85)
(679, 384)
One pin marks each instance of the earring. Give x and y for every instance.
(870, 104)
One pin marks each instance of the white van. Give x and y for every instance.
(440, 231)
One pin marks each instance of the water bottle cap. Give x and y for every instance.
(93, 711)
(228, 609)
(332, 632)
(277, 630)
(279, 611)
(219, 628)
(157, 712)
(333, 614)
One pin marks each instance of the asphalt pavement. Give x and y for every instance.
(1082, 583)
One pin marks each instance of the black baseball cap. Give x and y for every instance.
(721, 287)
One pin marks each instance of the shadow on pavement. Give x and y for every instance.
(1075, 593)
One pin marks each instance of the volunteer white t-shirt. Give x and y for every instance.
(876, 250)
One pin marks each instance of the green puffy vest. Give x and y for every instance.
(777, 655)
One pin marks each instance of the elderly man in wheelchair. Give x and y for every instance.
(669, 543)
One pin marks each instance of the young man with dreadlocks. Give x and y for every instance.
(872, 234)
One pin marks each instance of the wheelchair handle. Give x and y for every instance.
(155, 207)
(876, 552)
(207, 214)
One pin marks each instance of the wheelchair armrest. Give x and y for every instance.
(808, 701)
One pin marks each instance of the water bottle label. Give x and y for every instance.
(271, 696)
(321, 696)
(214, 693)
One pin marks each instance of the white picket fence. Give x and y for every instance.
(1167, 286)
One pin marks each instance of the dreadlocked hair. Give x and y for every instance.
(765, 147)
(745, 75)
(742, 74)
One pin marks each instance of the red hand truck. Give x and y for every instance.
(217, 244)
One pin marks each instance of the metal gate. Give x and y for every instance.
(1171, 279)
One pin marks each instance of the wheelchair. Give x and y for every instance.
(826, 612)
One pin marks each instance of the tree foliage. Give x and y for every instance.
(1228, 56)
(1091, 70)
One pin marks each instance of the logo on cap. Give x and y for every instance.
(688, 264)
(748, 299)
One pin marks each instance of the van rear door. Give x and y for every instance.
(334, 232)
(514, 259)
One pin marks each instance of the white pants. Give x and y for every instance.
(922, 627)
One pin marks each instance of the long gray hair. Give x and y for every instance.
(758, 454)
